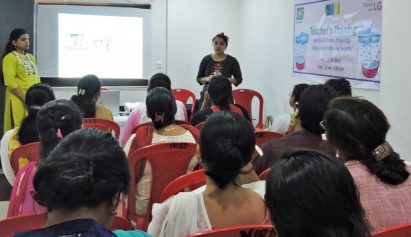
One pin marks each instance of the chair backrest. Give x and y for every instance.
(186, 182)
(240, 231)
(244, 97)
(168, 161)
(144, 134)
(200, 126)
(183, 95)
(15, 224)
(121, 223)
(5, 159)
(403, 230)
(264, 174)
(262, 137)
(103, 124)
(30, 151)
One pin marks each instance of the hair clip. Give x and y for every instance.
(81, 91)
(159, 117)
(382, 151)
(65, 117)
(59, 134)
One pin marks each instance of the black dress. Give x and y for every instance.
(228, 67)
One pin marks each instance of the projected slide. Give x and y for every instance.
(107, 46)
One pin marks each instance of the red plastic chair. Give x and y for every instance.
(30, 151)
(244, 97)
(264, 174)
(239, 231)
(265, 136)
(403, 230)
(187, 182)
(103, 124)
(16, 224)
(200, 126)
(183, 95)
(168, 161)
(121, 223)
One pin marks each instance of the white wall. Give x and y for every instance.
(395, 73)
(191, 26)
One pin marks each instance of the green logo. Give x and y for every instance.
(300, 13)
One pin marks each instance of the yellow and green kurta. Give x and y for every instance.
(19, 71)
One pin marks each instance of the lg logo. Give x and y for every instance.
(373, 6)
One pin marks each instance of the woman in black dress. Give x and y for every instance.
(218, 63)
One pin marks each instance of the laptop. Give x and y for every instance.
(111, 99)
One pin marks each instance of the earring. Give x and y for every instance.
(114, 212)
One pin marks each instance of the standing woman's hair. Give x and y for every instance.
(87, 169)
(358, 129)
(227, 143)
(161, 107)
(311, 194)
(88, 90)
(55, 120)
(14, 35)
(36, 96)
(220, 91)
(222, 36)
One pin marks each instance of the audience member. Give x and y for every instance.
(293, 101)
(80, 184)
(342, 87)
(358, 129)
(220, 93)
(139, 116)
(36, 96)
(161, 108)
(55, 120)
(311, 194)
(226, 145)
(88, 93)
(311, 108)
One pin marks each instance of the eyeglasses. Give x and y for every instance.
(322, 125)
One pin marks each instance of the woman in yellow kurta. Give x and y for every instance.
(19, 72)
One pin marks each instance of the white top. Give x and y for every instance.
(186, 214)
(5, 159)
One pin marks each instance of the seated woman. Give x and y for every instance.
(80, 184)
(226, 145)
(55, 120)
(220, 93)
(139, 116)
(293, 101)
(161, 108)
(36, 96)
(312, 194)
(88, 93)
(358, 129)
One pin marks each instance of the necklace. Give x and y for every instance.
(28, 65)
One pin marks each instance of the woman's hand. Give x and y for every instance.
(20, 94)
(232, 80)
(206, 79)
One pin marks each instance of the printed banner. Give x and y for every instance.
(338, 39)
